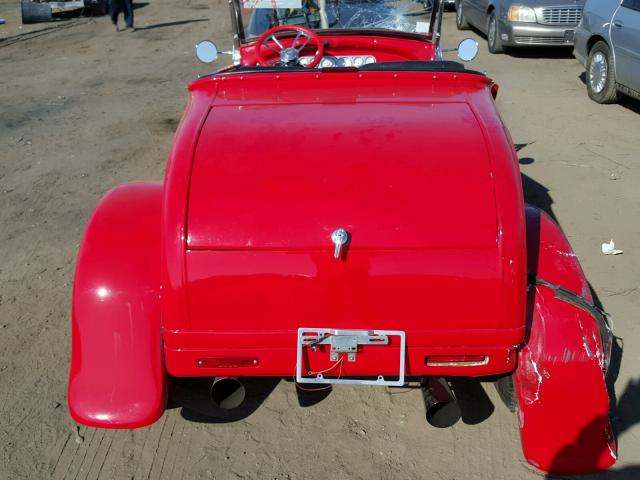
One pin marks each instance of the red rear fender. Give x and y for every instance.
(563, 405)
(117, 377)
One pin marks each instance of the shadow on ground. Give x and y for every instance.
(475, 404)
(137, 5)
(192, 396)
(172, 24)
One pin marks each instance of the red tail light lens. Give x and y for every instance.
(227, 362)
(494, 90)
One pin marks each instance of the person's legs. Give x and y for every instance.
(128, 13)
(115, 6)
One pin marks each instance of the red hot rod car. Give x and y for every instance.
(344, 206)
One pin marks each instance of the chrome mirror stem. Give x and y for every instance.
(438, 28)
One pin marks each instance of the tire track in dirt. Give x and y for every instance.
(175, 449)
(59, 456)
(180, 465)
(101, 455)
(164, 444)
(72, 456)
(89, 455)
(86, 460)
(123, 454)
(150, 448)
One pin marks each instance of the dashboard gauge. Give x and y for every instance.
(328, 62)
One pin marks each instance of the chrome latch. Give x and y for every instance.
(339, 237)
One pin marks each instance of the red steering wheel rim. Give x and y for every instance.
(314, 37)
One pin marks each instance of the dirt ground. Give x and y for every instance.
(84, 108)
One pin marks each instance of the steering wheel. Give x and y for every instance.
(288, 55)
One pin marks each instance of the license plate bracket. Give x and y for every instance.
(346, 342)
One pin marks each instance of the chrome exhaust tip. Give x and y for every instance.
(227, 392)
(442, 407)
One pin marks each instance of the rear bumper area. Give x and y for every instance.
(534, 34)
(274, 354)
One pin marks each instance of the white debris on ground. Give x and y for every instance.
(610, 248)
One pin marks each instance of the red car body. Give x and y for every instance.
(213, 272)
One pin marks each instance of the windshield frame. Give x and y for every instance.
(433, 35)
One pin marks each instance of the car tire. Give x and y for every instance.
(34, 12)
(494, 42)
(461, 21)
(507, 392)
(600, 75)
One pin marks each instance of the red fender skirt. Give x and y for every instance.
(117, 377)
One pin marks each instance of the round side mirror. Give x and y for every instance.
(206, 51)
(467, 49)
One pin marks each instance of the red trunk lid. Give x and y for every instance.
(395, 176)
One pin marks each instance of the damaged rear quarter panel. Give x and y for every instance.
(563, 405)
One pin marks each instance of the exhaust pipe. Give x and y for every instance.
(442, 408)
(227, 392)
